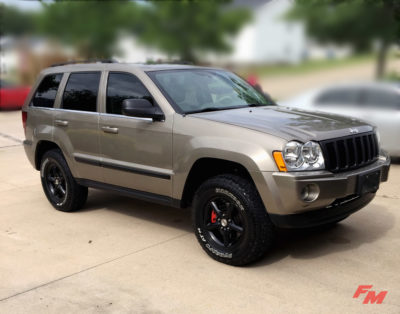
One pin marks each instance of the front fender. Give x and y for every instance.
(208, 139)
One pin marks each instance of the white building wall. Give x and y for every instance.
(269, 38)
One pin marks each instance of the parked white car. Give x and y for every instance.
(376, 103)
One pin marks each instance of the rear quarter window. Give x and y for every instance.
(47, 91)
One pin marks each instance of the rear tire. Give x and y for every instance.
(59, 185)
(230, 220)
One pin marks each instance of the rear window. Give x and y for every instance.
(47, 91)
(81, 91)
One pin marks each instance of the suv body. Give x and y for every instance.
(93, 123)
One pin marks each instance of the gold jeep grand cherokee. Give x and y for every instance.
(203, 138)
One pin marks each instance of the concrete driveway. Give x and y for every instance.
(120, 255)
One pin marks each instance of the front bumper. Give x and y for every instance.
(286, 207)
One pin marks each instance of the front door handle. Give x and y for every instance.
(109, 129)
(61, 122)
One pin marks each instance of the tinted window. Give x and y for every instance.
(122, 86)
(81, 91)
(381, 99)
(47, 91)
(339, 96)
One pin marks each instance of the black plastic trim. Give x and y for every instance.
(321, 216)
(145, 196)
(123, 168)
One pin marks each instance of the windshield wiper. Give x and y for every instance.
(259, 105)
(208, 109)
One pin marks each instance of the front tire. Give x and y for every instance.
(59, 185)
(230, 220)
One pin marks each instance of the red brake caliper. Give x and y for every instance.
(213, 217)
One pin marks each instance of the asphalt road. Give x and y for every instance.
(120, 255)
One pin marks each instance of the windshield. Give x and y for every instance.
(200, 90)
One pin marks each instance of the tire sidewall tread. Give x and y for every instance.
(259, 237)
(76, 194)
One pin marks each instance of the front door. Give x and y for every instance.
(136, 152)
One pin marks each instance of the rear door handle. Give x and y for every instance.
(109, 129)
(61, 122)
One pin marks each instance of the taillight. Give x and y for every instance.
(24, 118)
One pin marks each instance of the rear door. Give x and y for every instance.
(76, 124)
(136, 152)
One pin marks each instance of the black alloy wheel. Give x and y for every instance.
(55, 182)
(60, 187)
(224, 221)
(230, 220)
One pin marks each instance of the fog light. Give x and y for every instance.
(310, 193)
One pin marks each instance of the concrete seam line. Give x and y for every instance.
(393, 197)
(7, 146)
(94, 266)
(10, 137)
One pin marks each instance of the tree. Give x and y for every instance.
(355, 22)
(183, 28)
(15, 22)
(188, 28)
(92, 27)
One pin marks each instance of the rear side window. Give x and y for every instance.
(81, 91)
(122, 86)
(47, 91)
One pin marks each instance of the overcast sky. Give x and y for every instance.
(23, 4)
(35, 5)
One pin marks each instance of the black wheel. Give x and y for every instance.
(58, 183)
(230, 221)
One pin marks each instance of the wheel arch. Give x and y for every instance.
(41, 148)
(208, 167)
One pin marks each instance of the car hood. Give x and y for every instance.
(289, 123)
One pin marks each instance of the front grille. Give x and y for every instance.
(350, 152)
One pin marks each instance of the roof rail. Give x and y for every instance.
(84, 61)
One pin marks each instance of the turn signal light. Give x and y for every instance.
(279, 161)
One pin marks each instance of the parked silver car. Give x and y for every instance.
(203, 138)
(376, 103)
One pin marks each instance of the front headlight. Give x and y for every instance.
(306, 156)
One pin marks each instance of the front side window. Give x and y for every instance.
(47, 91)
(121, 86)
(81, 91)
(200, 90)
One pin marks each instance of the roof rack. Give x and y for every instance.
(84, 61)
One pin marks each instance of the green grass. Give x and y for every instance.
(305, 67)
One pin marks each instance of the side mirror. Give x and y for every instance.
(141, 108)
